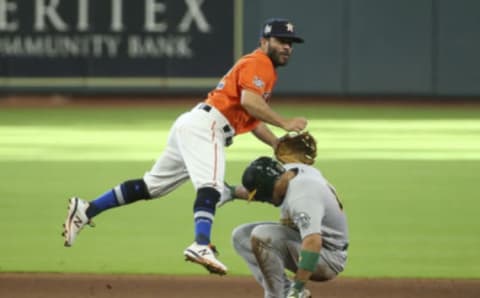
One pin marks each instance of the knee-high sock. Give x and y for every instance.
(128, 192)
(204, 212)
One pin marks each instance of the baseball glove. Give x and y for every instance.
(296, 147)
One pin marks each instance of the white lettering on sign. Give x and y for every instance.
(83, 22)
(47, 9)
(152, 9)
(194, 14)
(159, 47)
(66, 29)
(47, 16)
(7, 7)
(116, 24)
(95, 46)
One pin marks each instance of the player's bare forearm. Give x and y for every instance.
(258, 108)
(264, 134)
(241, 192)
(312, 244)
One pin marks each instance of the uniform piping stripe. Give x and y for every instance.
(204, 214)
(215, 168)
(119, 195)
(213, 130)
(215, 153)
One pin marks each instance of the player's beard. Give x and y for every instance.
(277, 56)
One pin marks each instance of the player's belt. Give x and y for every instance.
(330, 246)
(227, 129)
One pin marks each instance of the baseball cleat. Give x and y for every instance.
(76, 220)
(307, 293)
(205, 255)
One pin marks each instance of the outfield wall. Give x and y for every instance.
(354, 47)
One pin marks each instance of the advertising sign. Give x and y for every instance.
(116, 43)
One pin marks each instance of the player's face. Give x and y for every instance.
(279, 50)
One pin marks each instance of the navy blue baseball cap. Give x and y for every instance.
(283, 28)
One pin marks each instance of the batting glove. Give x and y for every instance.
(227, 195)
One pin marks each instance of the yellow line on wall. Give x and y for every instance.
(110, 82)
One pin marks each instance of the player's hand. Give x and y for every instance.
(296, 124)
(227, 195)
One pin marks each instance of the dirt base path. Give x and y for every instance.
(21, 285)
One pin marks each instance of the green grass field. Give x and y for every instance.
(408, 177)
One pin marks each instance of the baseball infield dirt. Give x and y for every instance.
(22, 285)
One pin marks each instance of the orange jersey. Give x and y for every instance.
(254, 72)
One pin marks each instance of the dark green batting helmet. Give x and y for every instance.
(260, 177)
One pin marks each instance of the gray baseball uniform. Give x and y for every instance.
(310, 206)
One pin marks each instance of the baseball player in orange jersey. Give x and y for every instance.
(197, 139)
